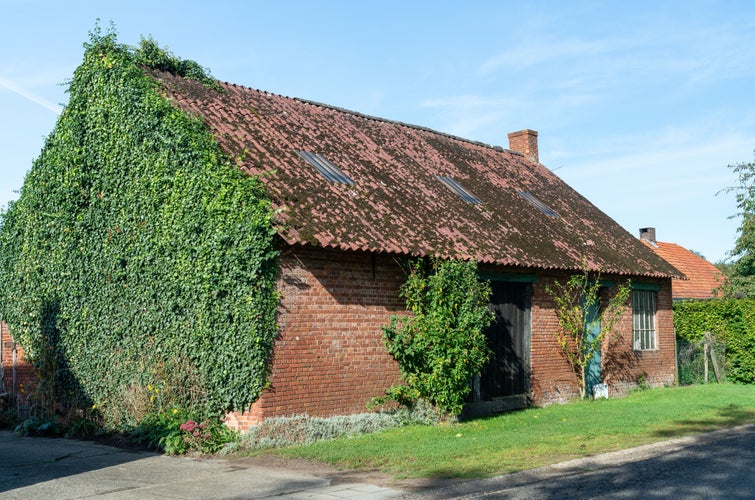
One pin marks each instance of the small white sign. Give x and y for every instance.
(600, 391)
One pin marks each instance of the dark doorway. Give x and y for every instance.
(505, 381)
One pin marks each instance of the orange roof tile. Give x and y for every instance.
(397, 203)
(702, 276)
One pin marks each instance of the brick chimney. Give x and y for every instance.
(648, 234)
(525, 142)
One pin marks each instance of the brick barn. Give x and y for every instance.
(357, 195)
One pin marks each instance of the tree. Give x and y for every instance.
(741, 280)
(442, 345)
(582, 323)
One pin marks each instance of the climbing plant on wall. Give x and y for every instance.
(441, 345)
(580, 332)
(137, 255)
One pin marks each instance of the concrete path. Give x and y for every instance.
(43, 468)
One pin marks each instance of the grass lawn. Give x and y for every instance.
(539, 436)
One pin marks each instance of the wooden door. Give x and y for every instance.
(507, 374)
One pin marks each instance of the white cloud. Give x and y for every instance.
(9, 85)
(537, 52)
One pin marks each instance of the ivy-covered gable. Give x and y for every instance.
(138, 255)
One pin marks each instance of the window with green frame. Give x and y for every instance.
(643, 320)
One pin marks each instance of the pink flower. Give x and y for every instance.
(188, 426)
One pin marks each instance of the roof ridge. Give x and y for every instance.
(380, 119)
(403, 124)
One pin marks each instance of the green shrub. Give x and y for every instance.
(160, 430)
(442, 345)
(39, 426)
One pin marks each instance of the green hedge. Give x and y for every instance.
(731, 320)
(137, 254)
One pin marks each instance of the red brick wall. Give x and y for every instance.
(626, 367)
(552, 379)
(622, 367)
(20, 386)
(330, 358)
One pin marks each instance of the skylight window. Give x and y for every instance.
(456, 188)
(326, 169)
(535, 202)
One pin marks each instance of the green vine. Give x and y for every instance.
(442, 345)
(582, 323)
(137, 254)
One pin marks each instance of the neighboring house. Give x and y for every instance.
(703, 278)
(357, 195)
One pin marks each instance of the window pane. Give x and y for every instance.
(643, 320)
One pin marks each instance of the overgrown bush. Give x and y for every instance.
(176, 432)
(729, 320)
(441, 346)
(137, 253)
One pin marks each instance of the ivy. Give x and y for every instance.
(137, 253)
(731, 320)
(441, 345)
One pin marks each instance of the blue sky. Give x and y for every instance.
(640, 106)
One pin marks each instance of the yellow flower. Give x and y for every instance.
(151, 399)
(149, 387)
(94, 407)
(175, 410)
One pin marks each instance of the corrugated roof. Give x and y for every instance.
(702, 276)
(397, 204)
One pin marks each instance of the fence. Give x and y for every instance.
(701, 362)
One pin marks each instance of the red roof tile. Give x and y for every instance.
(397, 204)
(702, 276)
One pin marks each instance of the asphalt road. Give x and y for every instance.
(715, 465)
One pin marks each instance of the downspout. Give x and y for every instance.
(13, 382)
(3, 392)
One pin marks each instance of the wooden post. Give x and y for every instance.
(713, 359)
(705, 361)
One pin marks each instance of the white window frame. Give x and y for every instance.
(644, 335)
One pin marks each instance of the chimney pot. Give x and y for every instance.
(525, 142)
(648, 234)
